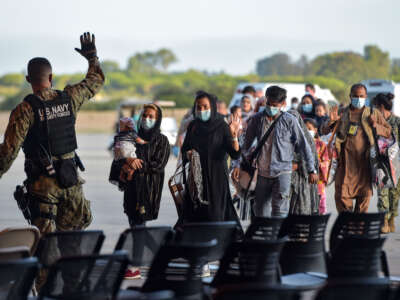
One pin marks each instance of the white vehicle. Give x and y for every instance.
(169, 128)
(293, 90)
(376, 86)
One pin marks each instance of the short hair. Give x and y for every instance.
(248, 89)
(234, 109)
(311, 86)
(39, 68)
(276, 94)
(357, 86)
(295, 100)
(246, 97)
(320, 103)
(384, 99)
(311, 121)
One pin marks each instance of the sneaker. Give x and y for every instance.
(132, 274)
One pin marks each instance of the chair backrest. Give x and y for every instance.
(85, 277)
(14, 253)
(356, 257)
(16, 278)
(223, 232)
(178, 267)
(250, 262)
(56, 245)
(256, 291)
(305, 249)
(142, 243)
(346, 291)
(367, 225)
(20, 236)
(264, 228)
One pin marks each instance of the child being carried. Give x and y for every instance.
(125, 147)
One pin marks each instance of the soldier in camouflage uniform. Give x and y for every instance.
(54, 206)
(388, 198)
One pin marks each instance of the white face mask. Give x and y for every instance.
(312, 133)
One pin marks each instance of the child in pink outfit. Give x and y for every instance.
(323, 158)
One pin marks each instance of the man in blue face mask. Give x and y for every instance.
(354, 137)
(274, 161)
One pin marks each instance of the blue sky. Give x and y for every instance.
(213, 35)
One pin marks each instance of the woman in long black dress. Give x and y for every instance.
(142, 194)
(213, 139)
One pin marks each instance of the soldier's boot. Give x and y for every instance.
(385, 228)
(391, 224)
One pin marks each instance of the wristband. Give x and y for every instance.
(235, 139)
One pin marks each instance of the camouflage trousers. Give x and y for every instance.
(388, 201)
(58, 210)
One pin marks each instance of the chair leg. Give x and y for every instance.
(384, 263)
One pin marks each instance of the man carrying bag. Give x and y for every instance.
(279, 134)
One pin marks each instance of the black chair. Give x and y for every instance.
(142, 243)
(357, 259)
(352, 291)
(56, 245)
(250, 291)
(223, 232)
(16, 278)
(305, 250)
(367, 225)
(263, 228)
(250, 262)
(184, 281)
(85, 277)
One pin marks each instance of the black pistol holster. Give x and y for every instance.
(23, 200)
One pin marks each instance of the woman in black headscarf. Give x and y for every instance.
(142, 194)
(212, 139)
(307, 107)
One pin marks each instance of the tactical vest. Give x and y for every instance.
(53, 128)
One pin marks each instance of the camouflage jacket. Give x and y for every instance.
(22, 117)
(394, 121)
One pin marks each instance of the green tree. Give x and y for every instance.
(165, 58)
(109, 66)
(12, 79)
(378, 62)
(151, 62)
(349, 67)
(395, 68)
(277, 64)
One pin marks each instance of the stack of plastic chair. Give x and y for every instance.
(17, 277)
(85, 277)
(303, 259)
(264, 228)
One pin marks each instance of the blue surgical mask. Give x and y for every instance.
(261, 108)
(307, 108)
(148, 123)
(358, 102)
(295, 105)
(204, 115)
(367, 102)
(271, 110)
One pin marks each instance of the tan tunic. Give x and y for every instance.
(353, 173)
